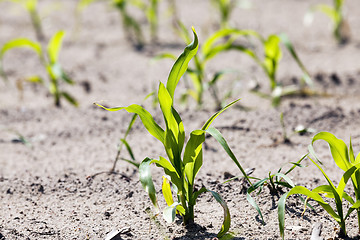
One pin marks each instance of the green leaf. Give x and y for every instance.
(227, 220)
(146, 180)
(338, 149)
(217, 76)
(251, 200)
(286, 41)
(328, 11)
(285, 177)
(193, 155)
(337, 197)
(209, 44)
(260, 184)
(166, 104)
(165, 55)
(352, 208)
(54, 46)
(70, 99)
(137, 165)
(21, 43)
(146, 118)
(172, 149)
(34, 79)
(166, 191)
(181, 135)
(344, 179)
(128, 148)
(281, 214)
(217, 135)
(297, 164)
(272, 49)
(170, 171)
(273, 55)
(131, 123)
(66, 78)
(213, 117)
(308, 193)
(181, 65)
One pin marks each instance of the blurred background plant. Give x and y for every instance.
(49, 60)
(341, 27)
(132, 26)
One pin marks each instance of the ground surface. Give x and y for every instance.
(45, 189)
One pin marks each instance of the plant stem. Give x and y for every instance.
(342, 229)
(36, 22)
(191, 214)
(183, 203)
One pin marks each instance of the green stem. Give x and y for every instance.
(343, 229)
(191, 214)
(36, 22)
(183, 203)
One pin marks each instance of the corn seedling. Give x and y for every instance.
(181, 169)
(224, 7)
(275, 182)
(31, 7)
(341, 29)
(132, 26)
(225, 40)
(50, 61)
(221, 41)
(270, 62)
(345, 159)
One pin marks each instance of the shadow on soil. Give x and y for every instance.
(196, 231)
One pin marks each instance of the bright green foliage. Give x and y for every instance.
(225, 40)
(221, 41)
(341, 30)
(225, 7)
(345, 160)
(31, 7)
(50, 60)
(269, 62)
(181, 169)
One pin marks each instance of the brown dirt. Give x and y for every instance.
(45, 191)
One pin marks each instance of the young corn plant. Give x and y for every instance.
(270, 62)
(341, 28)
(224, 7)
(220, 42)
(225, 40)
(131, 25)
(276, 182)
(50, 61)
(345, 159)
(180, 169)
(31, 7)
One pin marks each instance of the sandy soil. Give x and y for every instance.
(45, 188)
